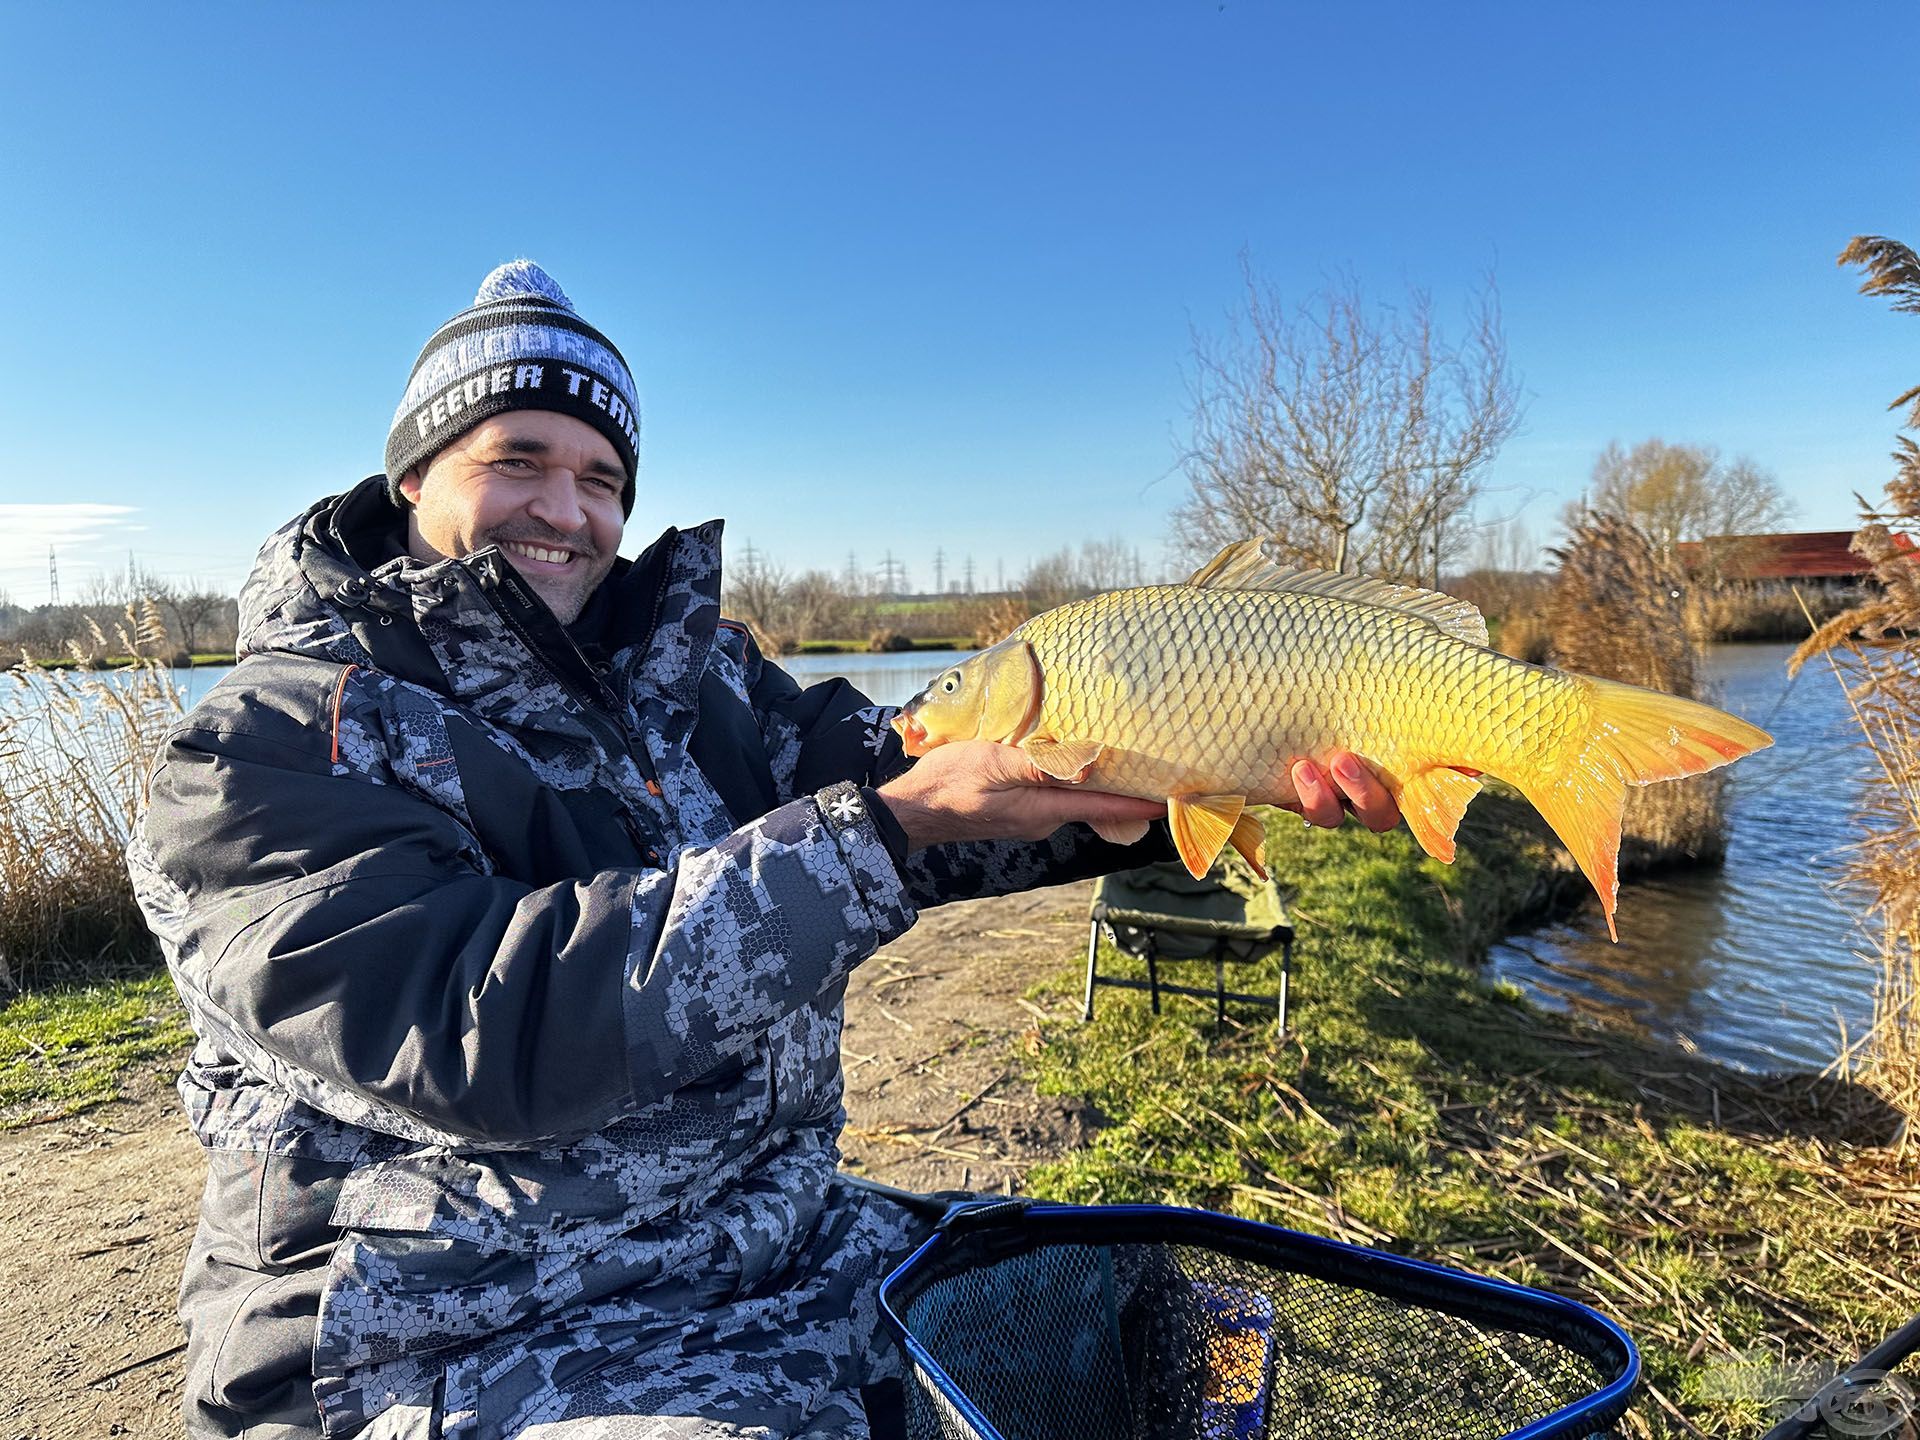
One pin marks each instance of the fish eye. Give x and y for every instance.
(951, 683)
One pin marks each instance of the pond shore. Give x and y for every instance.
(1414, 1105)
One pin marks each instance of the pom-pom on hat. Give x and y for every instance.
(520, 346)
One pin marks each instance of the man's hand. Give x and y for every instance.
(976, 790)
(1322, 804)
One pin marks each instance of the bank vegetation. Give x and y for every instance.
(1873, 650)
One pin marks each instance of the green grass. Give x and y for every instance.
(121, 662)
(65, 1050)
(1418, 1107)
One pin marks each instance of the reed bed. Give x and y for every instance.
(1874, 649)
(76, 747)
(1874, 653)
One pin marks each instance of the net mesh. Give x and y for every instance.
(1140, 1341)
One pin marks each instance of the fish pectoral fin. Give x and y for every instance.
(1432, 803)
(1202, 825)
(1067, 760)
(1249, 837)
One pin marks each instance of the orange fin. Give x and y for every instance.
(1120, 832)
(1062, 759)
(1202, 825)
(1249, 837)
(1634, 736)
(1432, 803)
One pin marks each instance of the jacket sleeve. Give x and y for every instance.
(831, 732)
(347, 937)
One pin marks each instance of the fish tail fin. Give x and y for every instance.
(1635, 737)
(1432, 803)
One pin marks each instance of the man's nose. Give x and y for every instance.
(557, 502)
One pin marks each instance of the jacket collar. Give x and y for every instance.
(337, 582)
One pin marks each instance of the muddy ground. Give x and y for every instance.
(96, 1210)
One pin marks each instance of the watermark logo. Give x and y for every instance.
(1870, 1405)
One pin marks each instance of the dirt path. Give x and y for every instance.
(96, 1211)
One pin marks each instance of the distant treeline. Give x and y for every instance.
(195, 621)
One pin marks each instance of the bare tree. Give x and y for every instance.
(195, 611)
(814, 605)
(1676, 493)
(1355, 434)
(754, 592)
(1051, 580)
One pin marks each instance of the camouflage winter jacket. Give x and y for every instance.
(516, 956)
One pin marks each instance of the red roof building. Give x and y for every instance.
(1808, 555)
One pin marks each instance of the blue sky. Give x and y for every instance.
(906, 277)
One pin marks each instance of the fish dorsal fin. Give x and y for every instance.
(1247, 565)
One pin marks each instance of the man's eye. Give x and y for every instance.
(604, 483)
(513, 462)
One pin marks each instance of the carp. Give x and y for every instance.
(1205, 693)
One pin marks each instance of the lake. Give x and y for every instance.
(884, 679)
(1756, 964)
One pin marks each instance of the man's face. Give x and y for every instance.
(542, 486)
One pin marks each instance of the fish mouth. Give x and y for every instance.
(913, 735)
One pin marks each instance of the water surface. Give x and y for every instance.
(1756, 964)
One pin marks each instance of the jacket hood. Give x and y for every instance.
(336, 583)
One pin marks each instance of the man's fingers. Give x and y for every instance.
(1319, 801)
(1373, 803)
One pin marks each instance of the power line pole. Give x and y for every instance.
(969, 574)
(939, 572)
(53, 577)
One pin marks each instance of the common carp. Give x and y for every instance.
(1205, 693)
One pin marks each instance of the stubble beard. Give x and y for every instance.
(565, 595)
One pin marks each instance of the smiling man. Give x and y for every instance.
(512, 896)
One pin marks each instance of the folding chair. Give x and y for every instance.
(1161, 913)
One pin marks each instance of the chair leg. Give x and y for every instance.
(1219, 986)
(1093, 951)
(1286, 975)
(1153, 977)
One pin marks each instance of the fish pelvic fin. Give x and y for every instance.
(1635, 737)
(1249, 837)
(1432, 803)
(1202, 825)
(1062, 759)
(1120, 832)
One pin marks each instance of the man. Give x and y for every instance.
(512, 896)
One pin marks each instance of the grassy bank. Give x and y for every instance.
(121, 662)
(1719, 1218)
(64, 1050)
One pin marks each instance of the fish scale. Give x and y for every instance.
(1205, 694)
(1226, 718)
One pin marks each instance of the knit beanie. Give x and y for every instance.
(521, 346)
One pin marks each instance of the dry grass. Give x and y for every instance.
(1525, 636)
(1618, 609)
(1874, 652)
(998, 618)
(1737, 611)
(1874, 649)
(75, 751)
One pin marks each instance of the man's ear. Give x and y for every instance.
(410, 485)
